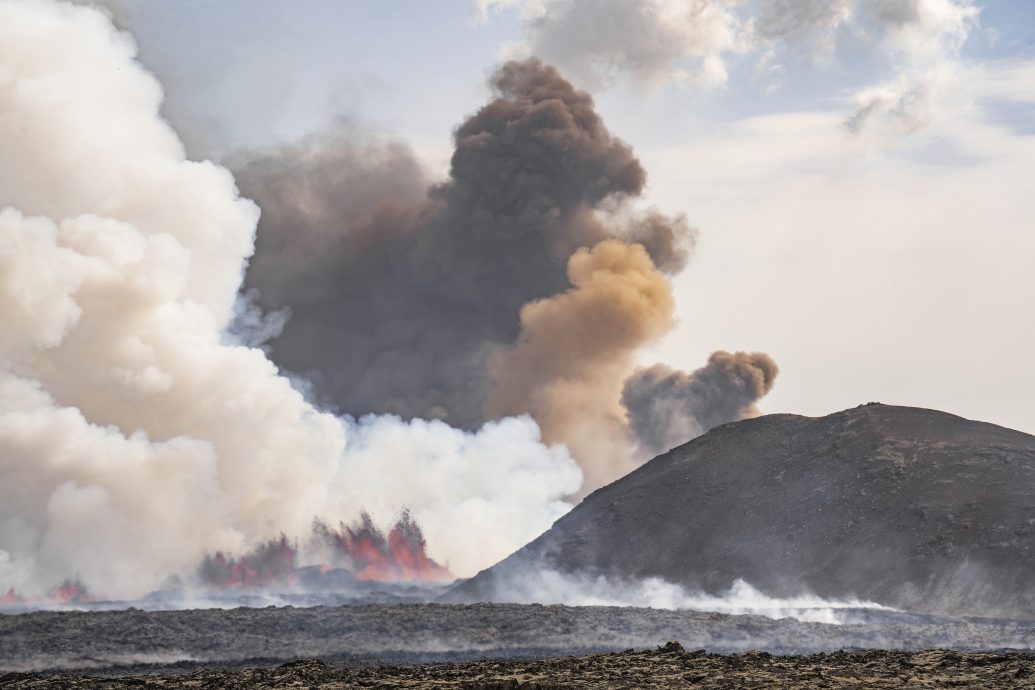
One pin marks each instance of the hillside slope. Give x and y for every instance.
(911, 508)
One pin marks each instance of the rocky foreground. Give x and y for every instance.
(120, 643)
(669, 666)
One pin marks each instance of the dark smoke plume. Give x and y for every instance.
(667, 407)
(400, 297)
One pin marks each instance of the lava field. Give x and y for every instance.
(666, 667)
(177, 642)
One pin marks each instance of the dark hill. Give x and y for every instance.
(908, 507)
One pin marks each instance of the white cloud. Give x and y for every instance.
(598, 41)
(694, 42)
(922, 38)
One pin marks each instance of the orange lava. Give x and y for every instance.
(361, 549)
(400, 557)
(272, 563)
(69, 592)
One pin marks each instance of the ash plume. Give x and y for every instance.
(437, 279)
(525, 283)
(577, 348)
(135, 436)
(668, 407)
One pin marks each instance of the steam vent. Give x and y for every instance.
(911, 508)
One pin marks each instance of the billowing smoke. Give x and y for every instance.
(577, 348)
(437, 280)
(134, 436)
(526, 283)
(667, 408)
(545, 585)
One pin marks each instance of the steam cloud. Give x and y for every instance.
(667, 408)
(543, 585)
(134, 438)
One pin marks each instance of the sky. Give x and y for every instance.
(877, 258)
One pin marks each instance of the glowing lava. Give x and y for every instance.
(271, 563)
(69, 592)
(399, 557)
(361, 549)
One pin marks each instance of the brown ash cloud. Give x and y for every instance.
(401, 293)
(577, 348)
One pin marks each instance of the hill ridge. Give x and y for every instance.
(912, 508)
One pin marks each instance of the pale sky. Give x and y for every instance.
(892, 262)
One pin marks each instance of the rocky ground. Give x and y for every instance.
(667, 667)
(117, 643)
(914, 509)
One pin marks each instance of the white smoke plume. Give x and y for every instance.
(694, 42)
(133, 438)
(119, 11)
(546, 586)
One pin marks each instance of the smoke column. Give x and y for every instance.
(525, 283)
(667, 407)
(438, 277)
(134, 436)
(576, 349)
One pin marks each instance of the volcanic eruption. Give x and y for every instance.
(527, 282)
(511, 299)
(361, 550)
(136, 434)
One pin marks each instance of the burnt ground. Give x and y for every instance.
(117, 643)
(666, 667)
